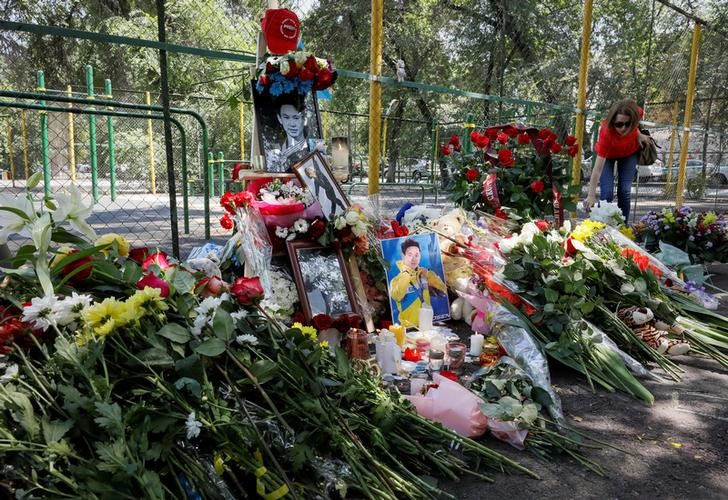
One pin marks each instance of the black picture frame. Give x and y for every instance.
(324, 186)
(322, 280)
(276, 154)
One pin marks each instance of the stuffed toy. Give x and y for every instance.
(653, 331)
(457, 269)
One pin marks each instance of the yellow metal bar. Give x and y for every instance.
(581, 97)
(71, 140)
(673, 134)
(24, 137)
(241, 108)
(10, 151)
(375, 95)
(688, 115)
(150, 141)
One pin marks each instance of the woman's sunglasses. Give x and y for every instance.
(622, 124)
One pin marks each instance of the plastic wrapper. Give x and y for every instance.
(335, 475)
(672, 255)
(523, 349)
(255, 249)
(631, 363)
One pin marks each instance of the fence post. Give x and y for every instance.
(586, 24)
(210, 172)
(241, 106)
(688, 115)
(24, 137)
(221, 172)
(435, 153)
(375, 96)
(92, 135)
(71, 139)
(112, 152)
(150, 143)
(10, 150)
(40, 81)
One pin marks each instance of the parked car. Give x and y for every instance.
(693, 168)
(649, 172)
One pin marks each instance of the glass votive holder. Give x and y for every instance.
(455, 355)
(437, 360)
(422, 345)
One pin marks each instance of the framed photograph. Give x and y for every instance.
(317, 177)
(322, 279)
(415, 277)
(287, 126)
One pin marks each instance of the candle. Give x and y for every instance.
(398, 331)
(476, 344)
(426, 314)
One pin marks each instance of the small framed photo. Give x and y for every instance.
(317, 177)
(415, 277)
(287, 125)
(322, 279)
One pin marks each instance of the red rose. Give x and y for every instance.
(157, 258)
(354, 320)
(324, 79)
(500, 213)
(570, 140)
(341, 323)
(556, 148)
(139, 254)
(547, 143)
(298, 317)
(454, 140)
(572, 151)
(482, 141)
(492, 132)
(474, 135)
(82, 274)
(471, 174)
(306, 74)
(317, 228)
(247, 291)
(505, 157)
(542, 225)
(510, 131)
(445, 150)
(292, 68)
(226, 222)
(151, 280)
(384, 324)
(546, 134)
(322, 322)
(210, 286)
(523, 138)
(311, 64)
(537, 186)
(502, 138)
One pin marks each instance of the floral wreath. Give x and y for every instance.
(296, 71)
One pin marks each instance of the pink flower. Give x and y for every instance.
(247, 291)
(157, 258)
(153, 281)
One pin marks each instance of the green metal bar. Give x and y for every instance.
(127, 105)
(210, 172)
(180, 129)
(40, 81)
(221, 171)
(112, 147)
(92, 136)
(125, 40)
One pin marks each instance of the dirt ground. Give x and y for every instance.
(676, 448)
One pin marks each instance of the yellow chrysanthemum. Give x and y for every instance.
(308, 331)
(110, 238)
(586, 230)
(146, 301)
(709, 218)
(325, 344)
(105, 316)
(628, 232)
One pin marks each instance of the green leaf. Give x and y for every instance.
(264, 370)
(587, 307)
(155, 357)
(132, 272)
(343, 365)
(61, 235)
(551, 295)
(17, 212)
(222, 325)
(191, 384)
(514, 271)
(183, 282)
(640, 285)
(113, 457)
(25, 414)
(175, 332)
(33, 180)
(54, 430)
(211, 347)
(109, 416)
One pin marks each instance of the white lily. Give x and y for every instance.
(72, 209)
(41, 234)
(11, 222)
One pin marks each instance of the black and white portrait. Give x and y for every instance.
(319, 180)
(288, 128)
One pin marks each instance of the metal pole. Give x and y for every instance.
(71, 140)
(40, 80)
(209, 175)
(24, 137)
(10, 150)
(673, 134)
(92, 135)
(221, 172)
(241, 106)
(435, 155)
(112, 152)
(150, 146)
(172, 188)
(375, 96)
(326, 124)
(688, 115)
(185, 188)
(581, 98)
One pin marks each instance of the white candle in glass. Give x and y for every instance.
(476, 344)
(426, 315)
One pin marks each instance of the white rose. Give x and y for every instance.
(300, 58)
(340, 223)
(285, 68)
(352, 217)
(507, 245)
(359, 229)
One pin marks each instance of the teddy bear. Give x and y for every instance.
(458, 270)
(653, 331)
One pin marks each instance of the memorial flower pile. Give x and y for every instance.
(299, 72)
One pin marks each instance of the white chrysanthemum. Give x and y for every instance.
(193, 426)
(70, 308)
(300, 226)
(608, 213)
(41, 312)
(340, 223)
(307, 198)
(281, 232)
(12, 223)
(246, 339)
(242, 313)
(206, 313)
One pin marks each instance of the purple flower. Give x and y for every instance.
(691, 237)
(708, 244)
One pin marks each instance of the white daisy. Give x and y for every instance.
(40, 312)
(70, 308)
(206, 312)
(193, 426)
(300, 226)
(246, 339)
(242, 313)
(11, 372)
(281, 232)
